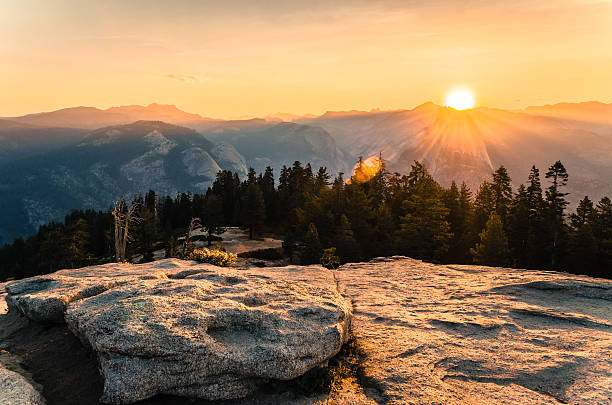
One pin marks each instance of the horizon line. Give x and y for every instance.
(301, 115)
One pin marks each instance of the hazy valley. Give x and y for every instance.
(57, 161)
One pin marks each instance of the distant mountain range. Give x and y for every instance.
(93, 118)
(85, 157)
(469, 145)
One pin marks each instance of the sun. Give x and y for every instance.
(460, 99)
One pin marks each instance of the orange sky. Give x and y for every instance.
(236, 58)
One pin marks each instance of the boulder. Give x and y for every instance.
(15, 389)
(177, 327)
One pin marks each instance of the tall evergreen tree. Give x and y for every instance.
(537, 223)
(360, 214)
(584, 214)
(254, 209)
(457, 221)
(493, 247)
(266, 183)
(322, 179)
(603, 234)
(556, 203)
(211, 216)
(484, 206)
(502, 192)
(145, 232)
(517, 227)
(424, 231)
(346, 245)
(463, 238)
(312, 246)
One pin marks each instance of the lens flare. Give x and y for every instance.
(366, 169)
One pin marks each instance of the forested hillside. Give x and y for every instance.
(333, 220)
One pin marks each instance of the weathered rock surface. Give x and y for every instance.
(431, 334)
(44, 298)
(15, 389)
(182, 328)
(467, 334)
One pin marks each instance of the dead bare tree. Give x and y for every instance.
(193, 225)
(123, 216)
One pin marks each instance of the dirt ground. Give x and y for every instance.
(235, 240)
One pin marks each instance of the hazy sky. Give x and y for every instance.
(237, 58)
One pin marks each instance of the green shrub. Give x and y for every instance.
(329, 258)
(212, 256)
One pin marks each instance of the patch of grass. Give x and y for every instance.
(329, 379)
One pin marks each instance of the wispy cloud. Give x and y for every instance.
(187, 78)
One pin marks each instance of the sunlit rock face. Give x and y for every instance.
(229, 158)
(177, 327)
(460, 334)
(280, 144)
(452, 334)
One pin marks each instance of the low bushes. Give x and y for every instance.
(212, 256)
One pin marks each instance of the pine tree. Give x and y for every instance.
(360, 214)
(145, 233)
(464, 239)
(227, 187)
(266, 183)
(417, 173)
(254, 210)
(537, 223)
(346, 245)
(52, 249)
(582, 246)
(502, 192)
(424, 231)
(150, 202)
(312, 246)
(484, 206)
(585, 212)
(338, 195)
(455, 220)
(172, 247)
(212, 217)
(556, 204)
(493, 247)
(603, 234)
(518, 227)
(322, 179)
(534, 191)
(382, 239)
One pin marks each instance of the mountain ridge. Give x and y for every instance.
(454, 145)
(92, 117)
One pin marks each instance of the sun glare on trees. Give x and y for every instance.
(460, 99)
(364, 170)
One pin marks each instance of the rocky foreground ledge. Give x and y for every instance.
(430, 334)
(459, 334)
(181, 328)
